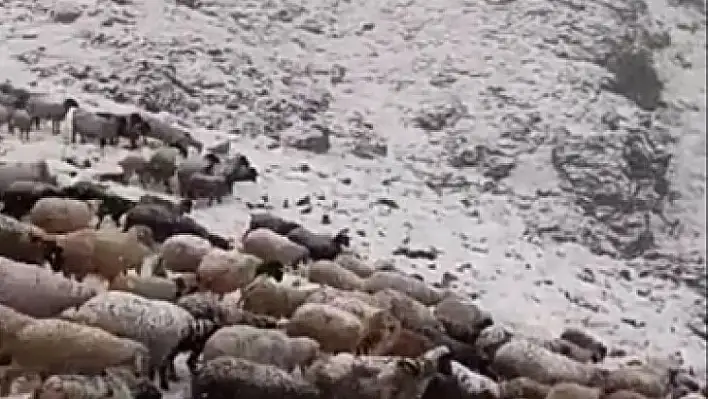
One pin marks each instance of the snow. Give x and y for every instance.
(496, 60)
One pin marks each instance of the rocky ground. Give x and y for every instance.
(547, 157)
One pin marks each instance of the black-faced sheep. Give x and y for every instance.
(193, 165)
(321, 246)
(19, 198)
(231, 378)
(131, 127)
(270, 246)
(61, 215)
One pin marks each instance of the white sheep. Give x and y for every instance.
(642, 379)
(416, 289)
(53, 346)
(568, 390)
(462, 318)
(39, 292)
(523, 387)
(248, 379)
(353, 263)
(340, 331)
(182, 253)
(116, 382)
(104, 252)
(271, 246)
(358, 303)
(412, 314)
(345, 376)
(23, 122)
(266, 346)
(523, 358)
(150, 287)
(332, 274)
(476, 385)
(266, 296)
(61, 215)
(226, 271)
(159, 325)
(23, 242)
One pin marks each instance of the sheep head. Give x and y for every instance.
(273, 269)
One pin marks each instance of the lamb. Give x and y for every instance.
(345, 376)
(585, 340)
(412, 287)
(28, 171)
(181, 253)
(23, 242)
(159, 325)
(337, 330)
(270, 246)
(41, 107)
(413, 314)
(353, 263)
(222, 272)
(106, 253)
(263, 346)
(228, 378)
(321, 246)
(266, 296)
(50, 293)
(61, 215)
(150, 287)
(84, 350)
(22, 121)
(572, 391)
(114, 382)
(20, 196)
(271, 222)
(523, 358)
(201, 185)
(332, 274)
(462, 319)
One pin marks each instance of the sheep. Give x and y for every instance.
(266, 346)
(60, 215)
(84, 190)
(20, 196)
(463, 353)
(171, 135)
(6, 116)
(114, 205)
(570, 350)
(462, 319)
(84, 350)
(585, 340)
(479, 386)
(271, 222)
(208, 305)
(353, 263)
(162, 165)
(413, 314)
(222, 272)
(237, 169)
(624, 394)
(572, 391)
(337, 330)
(201, 185)
(90, 125)
(183, 207)
(345, 376)
(270, 246)
(181, 253)
(266, 296)
(332, 274)
(106, 253)
(131, 126)
(114, 382)
(640, 379)
(135, 164)
(228, 377)
(194, 165)
(41, 107)
(523, 358)
(360, 304)
(28, 171)
(414, 288)
(409, 344)
(523, 387)
(50, 293)
(23, 242)
(150, 287)
(159, 325)
(22, 121)
(321, 246)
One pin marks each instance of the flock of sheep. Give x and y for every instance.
(281, 312)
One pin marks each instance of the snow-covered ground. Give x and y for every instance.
(406, 89)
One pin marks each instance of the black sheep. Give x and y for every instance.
(115, 206)
(20, 196)
(272, 222)
(321, 246)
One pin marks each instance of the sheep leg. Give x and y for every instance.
(170, 370)
(37, 122)
(193, 358)
(168, 188)
(162, 372)
(11, 374)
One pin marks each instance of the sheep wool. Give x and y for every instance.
(416, 289)
(183, 253)
(21, 242)
(354, 264)
(226, 271)
(159, 325)
(462, 319)
(640, 379)
(84, 386)
(351, 301)
(265, 346)
(572, 391)
(523, 358)
(150, 287)
(61, 215)
(266, 296)
(476, 384)
(231, 378)
(51, 292)
(84, 350)
(413, 314)
(270, 246)
(332, 274)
